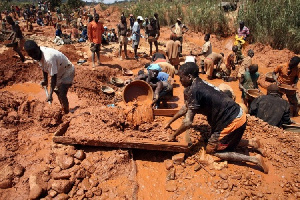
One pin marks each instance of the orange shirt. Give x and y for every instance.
(283, 76)
(95, 31)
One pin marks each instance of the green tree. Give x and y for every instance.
(54, 4)
(75, 3)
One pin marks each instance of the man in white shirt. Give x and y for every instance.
(58, 66)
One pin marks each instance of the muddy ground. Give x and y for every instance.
(33, 166)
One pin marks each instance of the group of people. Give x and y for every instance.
(226, 118)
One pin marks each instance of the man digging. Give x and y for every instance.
(227, 119)
(58, 66)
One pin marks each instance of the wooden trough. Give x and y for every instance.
(59, 137)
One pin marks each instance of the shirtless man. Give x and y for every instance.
(122, 35)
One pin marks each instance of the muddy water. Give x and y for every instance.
(34, 91)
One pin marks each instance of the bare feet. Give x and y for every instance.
(261, 163)
(257, 145)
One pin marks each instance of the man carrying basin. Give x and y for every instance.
(58, 66)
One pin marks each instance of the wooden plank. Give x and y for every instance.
(165, 112)
(136, 144)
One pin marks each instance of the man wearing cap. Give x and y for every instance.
(136, 34)
(271, 108)
(177, 29)
(58, 66)
(95, 30)
(162, 88)
(289, 74)
(160, 82)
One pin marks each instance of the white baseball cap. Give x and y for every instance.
(140, 18)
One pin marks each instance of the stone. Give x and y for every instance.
(80, 155)
(237, 177)
(171, 186)
(72, 192)
(223, 176)
(221, 165)
(65, 162)
(62, 186)
(52, 193)
(85, 184)
(178, 158)
(168, 164)
(80, 192)
(35, 189)
(56, 169)
(171, 174)
(62, 197)
(19, 170)
(224, 186)
(7, 183)
(89, 194)
(81, 174)
(61, 175)
(77, 161)
(97, 191)
(93, 182)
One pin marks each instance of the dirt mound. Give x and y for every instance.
(69, 51)
(115, 121)
(18, 112)
(87, 84)
(12, 70)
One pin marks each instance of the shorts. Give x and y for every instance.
(123, 40)
(135, 43)
(152, 39)
(231, 136)
(95, 47)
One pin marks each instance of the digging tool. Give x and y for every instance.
(47, 94)
(200, 165)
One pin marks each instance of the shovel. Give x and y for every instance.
(47, 94)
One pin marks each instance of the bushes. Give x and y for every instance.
(273, 22)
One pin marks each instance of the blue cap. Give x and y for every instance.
(154, 67)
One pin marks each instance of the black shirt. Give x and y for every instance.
(272, 109)
(16, 28)
(216, 105)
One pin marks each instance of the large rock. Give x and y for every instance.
(64, 161)
(171, 174)
(61, 175)
(85, 184)
(19, 170)
(171, 186)
(35, 189)
(62, 197)
(80, 155)
(62, 186)
(7, 183)
(168, 164)
(178, 158)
